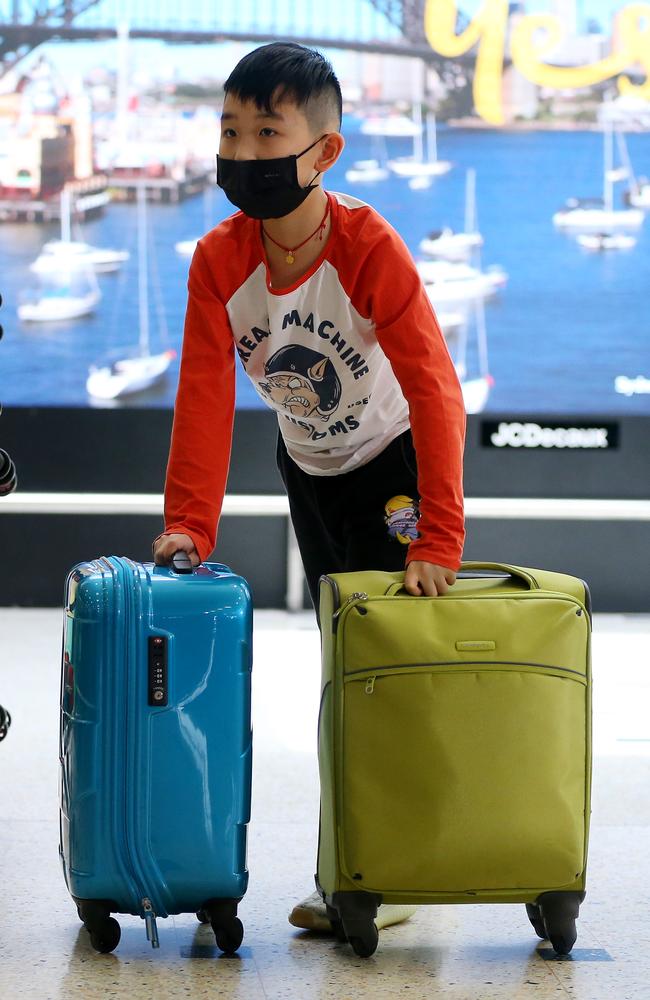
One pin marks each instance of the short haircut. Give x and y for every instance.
(297, 73)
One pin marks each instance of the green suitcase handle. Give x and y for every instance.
(517, 571)
(501, 568)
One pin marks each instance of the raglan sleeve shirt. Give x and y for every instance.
(383, 284)
(201, 439)
(408, 332)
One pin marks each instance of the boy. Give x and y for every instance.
(321, 299)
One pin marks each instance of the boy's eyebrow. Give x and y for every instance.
(229, 115)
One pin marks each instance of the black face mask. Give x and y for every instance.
(265, 189)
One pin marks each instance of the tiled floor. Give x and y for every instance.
(459, 953)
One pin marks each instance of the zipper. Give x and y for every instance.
(357, 596)
(320, 707)
(320, 818)
(114, 705)
(413, 668)
(461, 663)
(526, 596)
(551, 595)
(128, 572)
(129, 723)
(150, 921)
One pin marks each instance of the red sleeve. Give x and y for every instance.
(201, 440)
(410, 336)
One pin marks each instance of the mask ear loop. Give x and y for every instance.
(318, 172)
(323, 136)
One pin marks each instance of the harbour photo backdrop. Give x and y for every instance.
(544, 312)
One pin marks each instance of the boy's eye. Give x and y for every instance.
(227, 133)
(267, 129)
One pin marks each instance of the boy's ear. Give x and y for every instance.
(331, 149)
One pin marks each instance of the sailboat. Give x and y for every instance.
(373, 169)
(477, 389)
(446, 282)
(101, 259)
(67, 289)
(394, 126)
(606, 241)
(130, 374)
(638, 192)
(187, 247)
(477, 385)
(457, 246)
(416, 167)
(599, 214)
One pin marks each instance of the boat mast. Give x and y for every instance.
(65, 213)
(608, 191)
(432, 138)
(470, 201)
(143, 298)
(418, 150)
(207, 207)
(633, 184)
(481, 337)
(122, 94)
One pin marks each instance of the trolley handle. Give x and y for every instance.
(181, 562)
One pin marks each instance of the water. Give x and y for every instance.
(569, 322)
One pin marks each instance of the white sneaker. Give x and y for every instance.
(311, 915)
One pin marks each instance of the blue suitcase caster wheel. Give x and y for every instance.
(230, 936)
(106, 937)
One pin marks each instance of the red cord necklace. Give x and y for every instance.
(290, 254)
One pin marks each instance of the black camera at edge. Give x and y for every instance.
(8, 476)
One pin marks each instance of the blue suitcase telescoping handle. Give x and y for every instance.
(181, 562)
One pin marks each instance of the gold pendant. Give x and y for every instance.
(290, 258)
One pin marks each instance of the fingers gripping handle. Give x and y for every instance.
(482, 571)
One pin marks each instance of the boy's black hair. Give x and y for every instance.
(295, 72)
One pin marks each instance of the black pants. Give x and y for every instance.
(357, 520)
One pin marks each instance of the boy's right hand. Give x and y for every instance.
(167, 545)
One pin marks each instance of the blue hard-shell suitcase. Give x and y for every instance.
(155, 744)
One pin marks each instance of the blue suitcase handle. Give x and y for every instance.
(181, 562)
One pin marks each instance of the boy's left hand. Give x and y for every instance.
(425, 579)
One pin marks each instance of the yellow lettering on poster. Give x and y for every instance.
(488, 30)
(533, 37)
(538, 34)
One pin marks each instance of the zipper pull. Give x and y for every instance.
(370, 685)
(150, 921)
(357, 596)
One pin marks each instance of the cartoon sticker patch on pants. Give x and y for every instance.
(401, 518)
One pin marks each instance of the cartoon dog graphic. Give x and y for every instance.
(302, 381)
(402, 515)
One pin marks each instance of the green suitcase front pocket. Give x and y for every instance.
(463, 778)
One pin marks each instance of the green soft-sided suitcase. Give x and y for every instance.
(455, 746)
